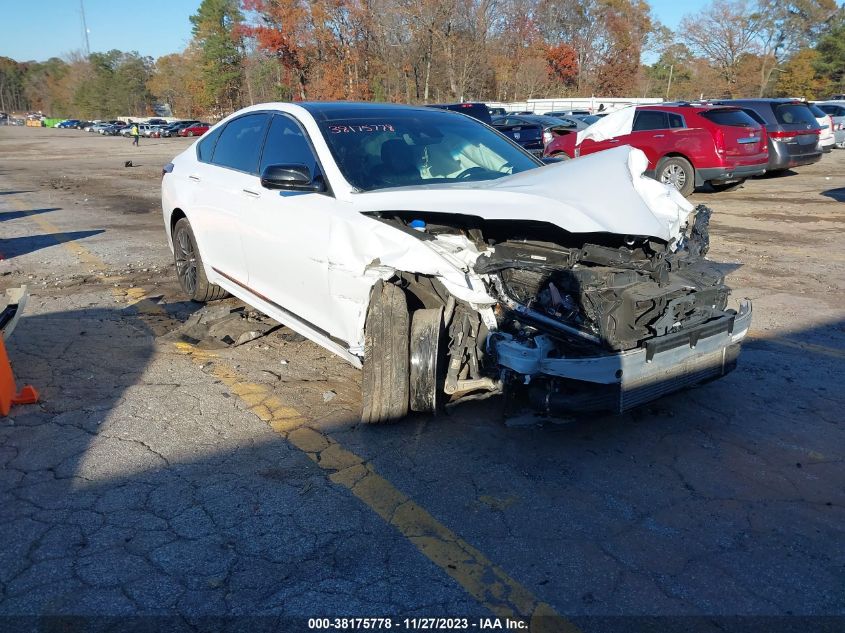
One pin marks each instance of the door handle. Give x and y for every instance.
(194, 178)
(613, 140)
(659, 135)
(252, 193)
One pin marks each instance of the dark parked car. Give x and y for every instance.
(475, 110)
(535, 131)
(793, 130)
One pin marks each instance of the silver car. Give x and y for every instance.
(836, 110)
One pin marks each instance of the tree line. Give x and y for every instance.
(419, 51)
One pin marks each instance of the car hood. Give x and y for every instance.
(605, 192)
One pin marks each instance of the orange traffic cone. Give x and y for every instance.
(9, 393)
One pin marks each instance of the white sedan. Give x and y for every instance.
(449, 263)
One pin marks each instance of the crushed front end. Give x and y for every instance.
(583, 321)
(614, 324)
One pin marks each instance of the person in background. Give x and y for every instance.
(136, 134)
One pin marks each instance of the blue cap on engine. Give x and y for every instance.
(417, 224)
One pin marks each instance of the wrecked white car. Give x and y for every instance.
(449, 263)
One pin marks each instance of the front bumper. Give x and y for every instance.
(619, 382)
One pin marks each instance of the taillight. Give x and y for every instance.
(720, 141)
(547, 137)
(166, 169)
(782, 134)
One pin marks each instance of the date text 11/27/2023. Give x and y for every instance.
(417, 624)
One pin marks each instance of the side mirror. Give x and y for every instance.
(291, 178)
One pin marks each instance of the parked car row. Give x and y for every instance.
(720, 142)
(154, 128)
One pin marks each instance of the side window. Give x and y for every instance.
(650, 120)
(675, 120)
(240, 142)
(205, 148)
(286, 144)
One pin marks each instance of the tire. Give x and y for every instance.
(561, 156)
(726, 186)
(678, 172)
(189, 268)
(190, 134)
(385, 380)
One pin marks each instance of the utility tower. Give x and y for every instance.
(85, 29)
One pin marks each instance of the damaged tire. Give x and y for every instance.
(189, 268)
(678, 172)
(385, 382)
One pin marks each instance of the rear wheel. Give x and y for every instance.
(190, 133)
(677, 172)
(561, 156)
(385, 382)
(189, 266)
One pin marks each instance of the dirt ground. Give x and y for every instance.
(168, 471)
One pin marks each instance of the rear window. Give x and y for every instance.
(734, 118)
(833, 110)
(787, 113)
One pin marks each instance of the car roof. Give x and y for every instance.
(329, 110)
(762, 100)
(683, 106)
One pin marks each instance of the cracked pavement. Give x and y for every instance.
(146, 481)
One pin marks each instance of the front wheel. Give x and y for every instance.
(677, 172)
(190, 133)
(189, 268)
(385, 379)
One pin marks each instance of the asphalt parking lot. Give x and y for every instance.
(170, 471)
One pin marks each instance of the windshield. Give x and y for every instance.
(404, 148)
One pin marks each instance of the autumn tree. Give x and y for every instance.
(216, 33)
(785, 28)
(830, 60)
(724, 34)
(176, 82)
(627, 25)
(563, 64)
(798, 77)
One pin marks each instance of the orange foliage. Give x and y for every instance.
(563, 64)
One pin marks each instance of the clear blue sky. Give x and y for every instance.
(53, 28)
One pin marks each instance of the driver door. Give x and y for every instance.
(286, 239)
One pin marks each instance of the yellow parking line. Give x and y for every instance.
(488, 583)
(485, 581)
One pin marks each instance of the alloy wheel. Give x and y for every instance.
(186, 261)
(674, 175)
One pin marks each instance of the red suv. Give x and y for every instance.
(686, 145)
